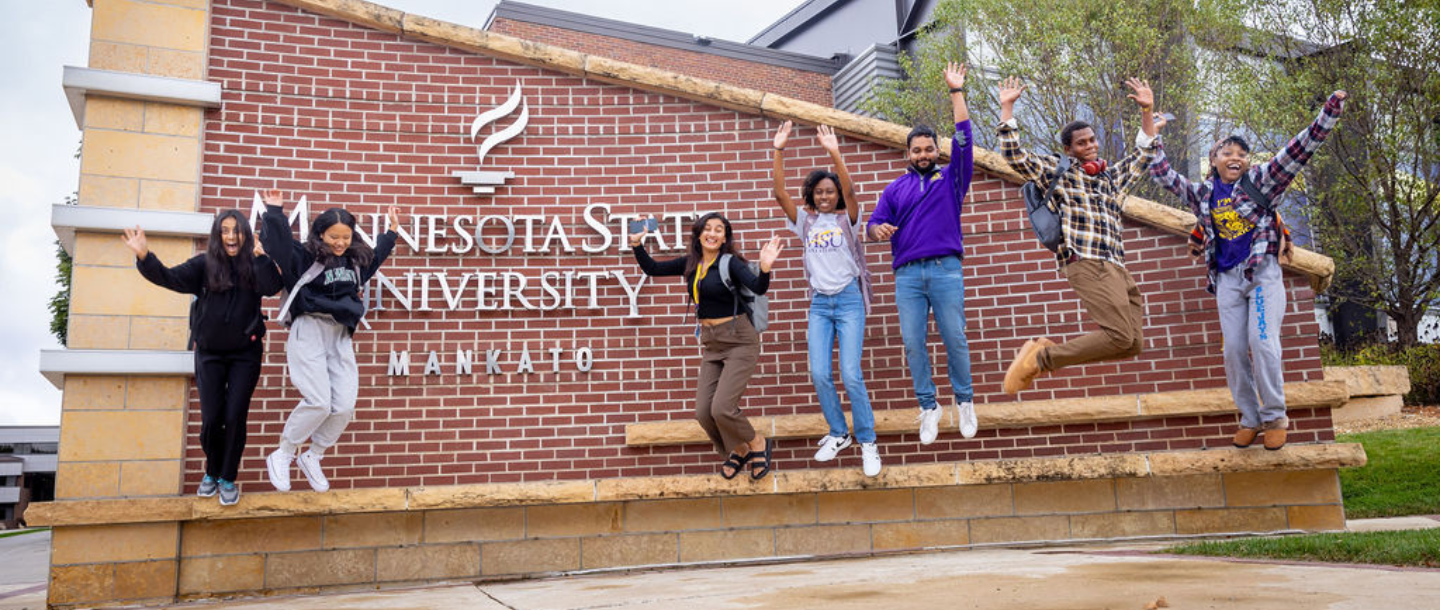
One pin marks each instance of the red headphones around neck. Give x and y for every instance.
(1095, 167)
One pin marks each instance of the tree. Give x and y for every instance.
(60, 303)
(1371, 195)
(1075, 57)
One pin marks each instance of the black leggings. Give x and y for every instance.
(225, 381)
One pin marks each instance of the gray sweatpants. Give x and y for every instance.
(1251, 313)
(321, 360)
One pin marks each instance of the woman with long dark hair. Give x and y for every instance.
(228, 332)
(829, 226)
(731, 343)
(322, 307)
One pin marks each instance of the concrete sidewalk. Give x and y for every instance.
(1089, 577)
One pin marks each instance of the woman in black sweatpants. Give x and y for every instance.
(228, 332)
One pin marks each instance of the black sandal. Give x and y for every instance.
(760, 459)
(736, 462)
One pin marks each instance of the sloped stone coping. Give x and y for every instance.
(1371, 380)
(1310, 394)
(1319, 268)
(349, 501)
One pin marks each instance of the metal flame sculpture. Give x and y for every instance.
(485, 182)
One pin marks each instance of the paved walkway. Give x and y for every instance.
(24, 565)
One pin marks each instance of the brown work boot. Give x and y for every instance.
(1025, 368)
(1244, 437)
(1275, 432)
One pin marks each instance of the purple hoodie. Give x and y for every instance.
(926, 208)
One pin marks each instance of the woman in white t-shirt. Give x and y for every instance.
(839, 293)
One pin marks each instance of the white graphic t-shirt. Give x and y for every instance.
(828, 263)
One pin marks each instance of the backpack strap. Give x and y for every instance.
(1060, 169)
(316, 268)
(729, 285)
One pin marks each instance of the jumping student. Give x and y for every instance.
(840, 295)
(228, 331)
(1092, 255)
(322, 277)
(729, 340)
(1241, 242)
(920, 214)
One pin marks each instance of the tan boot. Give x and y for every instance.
(1244, 437)
(1025, 368)
(1275, 433)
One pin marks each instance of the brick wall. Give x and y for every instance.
(363, 119)
(799, 84)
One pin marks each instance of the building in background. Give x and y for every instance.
(27, 469)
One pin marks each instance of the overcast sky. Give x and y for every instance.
(38, 168)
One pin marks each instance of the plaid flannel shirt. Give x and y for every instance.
(1090, 206)
(1271, 177)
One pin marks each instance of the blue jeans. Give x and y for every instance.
(840, 316)
(934, 284)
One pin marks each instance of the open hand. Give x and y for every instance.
(1010, 90)
(392, 216)
(884, 231)
(1341, 95)
(1142, 95)
(259, 249)
(135, 240)
(828, 140)
(273, 197)
(783, 135)
(955, 75)
(769, 253)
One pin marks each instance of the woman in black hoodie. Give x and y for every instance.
(228, 332)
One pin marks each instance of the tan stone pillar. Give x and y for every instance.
(124, 436)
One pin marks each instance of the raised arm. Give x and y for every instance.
(1137, 163)
(831, 143)
(1030, 167)
(1276, 174)
(757, 284)
(276, 238)
(674, 266)
(961, 169)
(1164, 175)
(777, 174)
(187, 277)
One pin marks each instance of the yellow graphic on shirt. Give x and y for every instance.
(1228, 223)
(825, 238)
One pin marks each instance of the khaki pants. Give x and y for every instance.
(1112, 300)
(726, 363)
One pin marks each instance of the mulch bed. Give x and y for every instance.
(1409, 417)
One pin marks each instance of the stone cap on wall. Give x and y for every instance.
(1318, 267)
(1371, 380)
(1215, 401)
(348, 501)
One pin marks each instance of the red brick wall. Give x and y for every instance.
(362, 119)
(789, 82)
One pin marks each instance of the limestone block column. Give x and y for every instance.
(123, 436)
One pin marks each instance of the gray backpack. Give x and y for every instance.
(757, 306)
(1044, 214)
(316, 268)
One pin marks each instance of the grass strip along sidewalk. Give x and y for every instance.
(1417, 548)
(1402, 478)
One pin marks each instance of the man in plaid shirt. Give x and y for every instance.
(1241, 243)
(1092, 255)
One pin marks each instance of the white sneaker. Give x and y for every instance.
(310, 467)
(277, 464)
(870, 456)
(968, 424)
(929, 425)
(830, 446)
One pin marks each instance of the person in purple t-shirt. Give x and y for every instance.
(919, 213)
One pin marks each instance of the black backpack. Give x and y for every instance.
(1044, 214)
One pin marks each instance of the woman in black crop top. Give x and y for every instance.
(731, 344)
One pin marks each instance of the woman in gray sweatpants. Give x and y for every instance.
(1244, 243)
(322, 307)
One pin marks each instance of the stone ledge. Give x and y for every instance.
(1008, 414)
(368, 14)
(1371, 380)
(351, 501)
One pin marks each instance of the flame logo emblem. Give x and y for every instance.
(482, 181)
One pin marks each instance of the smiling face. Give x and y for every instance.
(712, 236)
(337, 238)
(1083, 145)
(826, 195)
(1230, 162)
(923, 153)
(231, 237)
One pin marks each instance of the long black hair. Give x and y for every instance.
(696, 255)
(222, 271)
(813, 180)
(359, 253)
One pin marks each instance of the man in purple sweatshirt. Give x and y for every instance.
(919, 213)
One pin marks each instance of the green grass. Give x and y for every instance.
(1419, 548)
(23, 532)
(1401, 478)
